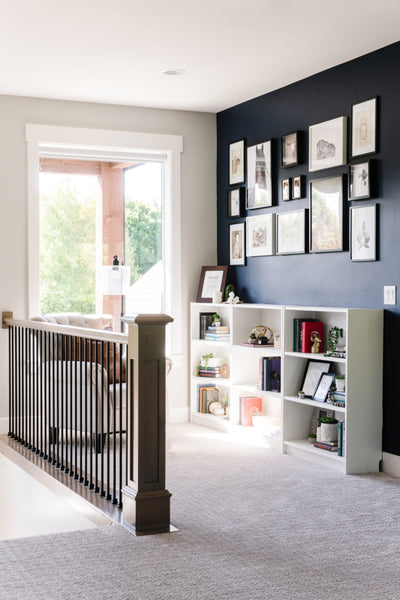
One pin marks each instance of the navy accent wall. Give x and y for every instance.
(328, 279)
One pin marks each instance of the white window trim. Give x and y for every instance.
(97, 144)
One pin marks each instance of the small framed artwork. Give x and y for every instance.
(236, 202)
(298, 187)
(312, 375)
(323, 386)
(237, 244)
(259, 180)
(363, 128)
(289, 150)
(212, 279)
(291, 232)
(363, 233)
(236, 162)
(327, 144)
(326, 214)
(260, 235)
(359, 181)
(286, 189)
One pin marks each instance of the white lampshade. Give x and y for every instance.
(115, 280)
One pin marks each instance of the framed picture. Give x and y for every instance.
(212, 279)
(259, 181)
(236, 162)
(312, 375)
(260, 235)
(237, 244)
(298, 187)
(323, 387)
(327, 144)
(363, 128)
(291, 228)
(359, 181)
(326, 214)
(286, 189)
(363, 233)
(236, 202)
(289, 150)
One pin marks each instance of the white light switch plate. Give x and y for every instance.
(389, 294)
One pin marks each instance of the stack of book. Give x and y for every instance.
(302, 331)
(217, 334)
(269, 374)
(209, 372)
(329, 446)
(338, 398)
(205, 395)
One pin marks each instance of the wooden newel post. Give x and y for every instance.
(146, 502)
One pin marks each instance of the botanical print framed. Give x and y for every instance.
(236, 162)
(212, 279)
(327, 144)
(291, 232)
(326, 214)
(289, 150)
(298, 187)
(237, 244)
(363, 128)
(285, 192)
(259, 181)
(359, 181)
(363, 233)
(260, 235)
(236, 202)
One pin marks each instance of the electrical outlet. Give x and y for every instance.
(389, 294)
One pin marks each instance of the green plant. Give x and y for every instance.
(204, 362)
(340, 377)
(334, 334)
(327, 420)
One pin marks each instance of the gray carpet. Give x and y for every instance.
(254, 524)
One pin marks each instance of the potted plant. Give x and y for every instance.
(333, 339)
(301, 394)
(216, 320)
(312, 438)
(340, 382)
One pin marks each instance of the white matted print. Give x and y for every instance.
(237, 244)
(259, 181)
(236, 162)
(363, 233)
(363, 128)
(291, 228)
(327, 144)
(260, 235)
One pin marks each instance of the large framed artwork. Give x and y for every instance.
(326, 214)
(291, 229)
(237, 244)
(327, 144)
(363, 128)
(260, 235)
(363, 233)
(236, 162)
(259, 180)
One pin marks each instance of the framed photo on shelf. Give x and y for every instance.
(359, 181)
(298, 187)
(291, 232)
(236, 202)
(312, 375)
(259, 180)
(260, 235)
(289, 150)
(237, 244)
(364, 128)
(326, 214)
(212, 279)
(323, 387)
(286, 189)
(236, 162)
(363, 233)
(327, 144)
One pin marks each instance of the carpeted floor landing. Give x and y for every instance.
(254, 525)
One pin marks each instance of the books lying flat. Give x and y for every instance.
(329, 446)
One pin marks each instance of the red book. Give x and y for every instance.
(312, 335)
(249, 405)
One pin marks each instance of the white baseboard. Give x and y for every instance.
(178, 415)
(391, 464)
(4, 425)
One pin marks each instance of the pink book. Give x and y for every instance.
(249, 405)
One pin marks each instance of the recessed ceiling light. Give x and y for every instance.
(174, 71)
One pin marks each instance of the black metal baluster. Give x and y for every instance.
(96, 437)
(53, 397)
(41, 392)
(23, 389)
(114, 428)
(127, 384)
(68, 404)
(102, 491)
(91, 484)
(108, 495)
(29, 389)
(62, 399)
(120, 428)
(81, 478)
(85, 359)
(10, 379)
(46, 391)
(57, 382)
(76, 410)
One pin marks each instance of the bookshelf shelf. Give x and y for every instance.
(362, 367)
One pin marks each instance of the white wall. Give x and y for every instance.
(199, 238)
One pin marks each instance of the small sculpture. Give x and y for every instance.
(315, 342)
(232, 299)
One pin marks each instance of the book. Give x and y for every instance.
(269, 378)
(324, 446)
(341, 438)
(205, 320)
(220, 329)
(308, 328)
(297, 332)
(209, 395)
(249, 405)
(200, 391)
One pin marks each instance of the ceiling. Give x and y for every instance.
(115, 52)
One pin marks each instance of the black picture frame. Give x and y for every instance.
(298, 187)
(286, 189)
(312, 374)
(212, 279)
(326, 214)
(364, 127)
(236, 162)
(259, 175)
(359, 180)
(237, 244)
(323, 386)
(290, 150)
(236, 202)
